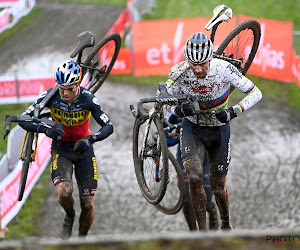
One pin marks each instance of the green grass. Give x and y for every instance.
(24, 224)
(10, 109)
(282, 10)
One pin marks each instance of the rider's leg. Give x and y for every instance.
(222, 199)
(61, 173)
(192, 153)
(211, 207)
(219, 157)
(64, 194)
(87, 214)
(187, 208)
(86, 174)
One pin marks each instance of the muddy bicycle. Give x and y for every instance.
(239, 48)
(95, 69)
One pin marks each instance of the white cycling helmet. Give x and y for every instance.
(68, 72)
(198, 48)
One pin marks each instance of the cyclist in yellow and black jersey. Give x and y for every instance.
(73, 106)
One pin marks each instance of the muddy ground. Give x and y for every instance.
(264, 175)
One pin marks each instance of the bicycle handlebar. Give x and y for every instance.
(164, 99)
(28, 118)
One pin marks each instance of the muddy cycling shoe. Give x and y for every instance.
(226, 225)
(67, 226)
(213, 219)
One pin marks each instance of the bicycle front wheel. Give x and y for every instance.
(172, 201)
(150, 158)
(26, 162)
(101, 60)
(242, 42)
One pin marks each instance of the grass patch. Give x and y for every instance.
(9, 109)
(24, 223)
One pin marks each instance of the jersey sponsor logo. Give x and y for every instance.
(54, 163)
(70, 118)
(56, 180)
(95, 100)
(29, 109)
(95, 168)
(43, 94)
(104, 118)
(234, 70)
(202, 89)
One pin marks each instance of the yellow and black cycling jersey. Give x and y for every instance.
(75, 117)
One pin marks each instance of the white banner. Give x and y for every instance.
(10, 16)
(9, 187)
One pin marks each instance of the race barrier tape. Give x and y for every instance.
(15, 89)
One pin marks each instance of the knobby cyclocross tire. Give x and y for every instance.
(103, 55)
(242, 42)
(25, 166)
(172, 201)
(151, 168)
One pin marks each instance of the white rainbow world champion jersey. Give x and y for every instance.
(212, 91)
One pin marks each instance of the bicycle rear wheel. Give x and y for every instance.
(151, 164)
(103, 56)
(26, 161)
(172, 201)
(242, 42)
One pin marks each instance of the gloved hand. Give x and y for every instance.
(83, 144)
(186, 109)
(51, 132)
(225, 115)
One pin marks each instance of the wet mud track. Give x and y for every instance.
(263, 179)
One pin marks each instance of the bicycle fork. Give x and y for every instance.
(22, 153)
(156, 155)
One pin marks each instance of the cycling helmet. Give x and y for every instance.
(68, 72)
(198, 48)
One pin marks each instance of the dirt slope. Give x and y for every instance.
(264, 174)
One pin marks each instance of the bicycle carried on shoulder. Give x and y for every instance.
(150, 153)
(95, 69)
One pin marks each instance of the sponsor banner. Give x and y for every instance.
(296, 68)
(15, 12)
(23, 89)
(3, 19)
(122, 65)
(158, 45)
(9, 187)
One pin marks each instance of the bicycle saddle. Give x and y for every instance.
(85, 39)
(221, 13)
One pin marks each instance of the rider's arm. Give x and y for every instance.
(102, 119)
(172, 85)
(242, 83)
(32, 126)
